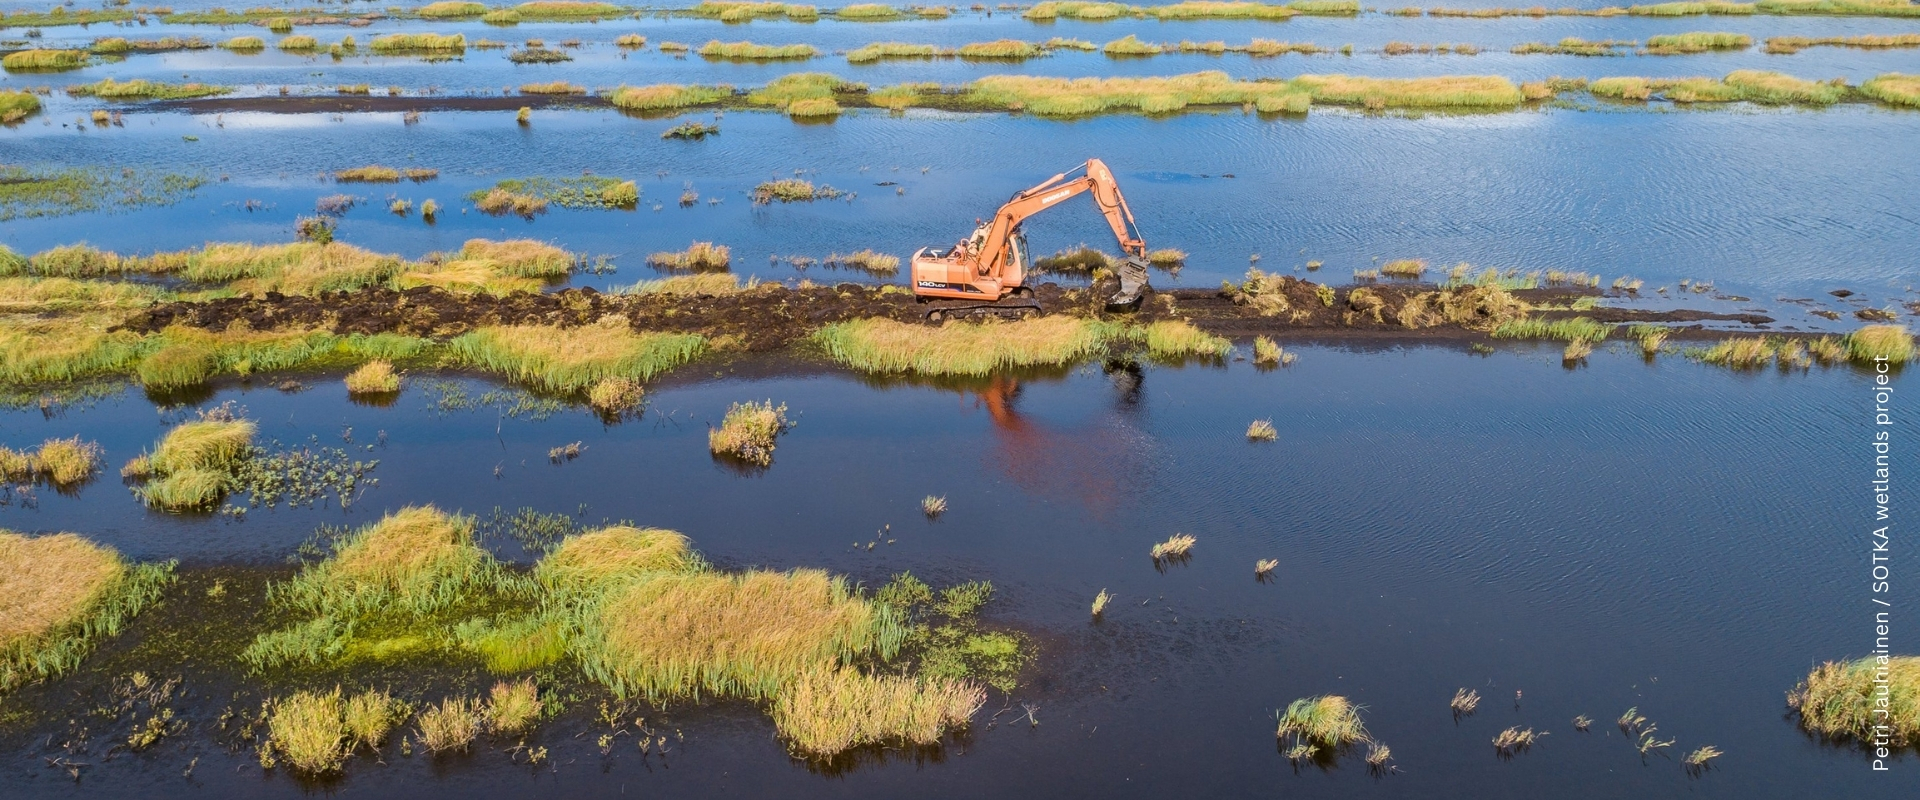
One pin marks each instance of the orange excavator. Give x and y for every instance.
(987, 271)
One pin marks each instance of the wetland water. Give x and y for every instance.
(1665, 535)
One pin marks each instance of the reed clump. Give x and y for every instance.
(785, 90)
(16, 106)
(1131, 46)
(933, 506)
(44, 60)
(1755, 86)
(451, 9)
(667, 96)
(1329, 721)
(316, 732)
(298, 44)
(1179, 339)
(1697, 42)
(963, 348)
(749, 432)
(868, 261)
(419, 43)
(373, 378)
(826, 712)
(142, 89)
(59, 595)
(451, 725)
(573, 359)
(1788, 45)
(748, 51)
(702, 283)
(792, 190)
(195, 464)
(1261, 430)
(1566, 329)
(244, 44)
(512, 706)
(554, 87)
(698, 257)
(745, 11)
(892, 50)
(615, 395)
(1849, 699)
(567, 10)
(867, 12)
(61, 462)
(1177, 546)
(1872, 344)
(1515, 739)
(1006, 49)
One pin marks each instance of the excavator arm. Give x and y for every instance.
(1092, 176)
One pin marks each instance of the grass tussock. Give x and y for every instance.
(1179, 339)
(1567, 329)
(1754, 86)
(1177, 546)
(749, 431)
(316, 732)
(244, 44)
(748, 51)
(1788, 45)
(963, 348)
(452, 725)
(1330, 721)
(512, 707)
(792, 190)
(16, 106)
(785, 90)
(1261, 430)
(746, 11)
(826, 712)
(44, 60)
(665, 635)
(1894, 89)
(703, 283)
(1697, 42)
(419, 43)
(61, 594)
(451, 9)
(554, 87)
(373, 377)
(142, 89)
(1873, 344)
(879, 51)
(1006, 50)
(298, 44)
(1848, 699)
(195, 464)
(667, 96)
(574, 359)
(615, 395)
(698, 257)
(61, 462)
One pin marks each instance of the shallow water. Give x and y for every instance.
(1666, 535)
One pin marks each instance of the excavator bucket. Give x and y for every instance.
(1133, 281)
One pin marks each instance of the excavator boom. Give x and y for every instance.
(991, 264)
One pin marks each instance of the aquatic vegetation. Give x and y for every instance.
(792, 190)
(584, 192)
(1740, 352)
(373, 377)
(1753, 86)
(195, 464)
(1166, 257)
(554, 87)
(512, 706)
(500, 201)
(748, 51)
(1703, 757)
(745, 11)
(16, 106)
(666, 635)
(573, 359)
(1574, 46)
(562, 10)
(788, 89)
(813, 107)
(748, 432)
(1893, 89)
(616, 394)
(59, 596)
(588, 563)
(867, 12)
(370, 715)
(501, 17)
(1330, 721)
(298, 44)
(1515, 739)
(702, 283)
(1697, 42)
(538, 55)
(1404, 268)
(309, 730)
(828, 711)
(933, 506)
(244, 44)
(1177, 546)
(890, 50)
(690, 130)
(27, 193)
(867, 261)
(142, 89)
(451, 725)
(1565, 329)
(1082, 259)
(1788, 45)
(1462, 91)
(666, 96)
(1268, 353)
(1261, 430)
(1130, 46)
(1179, 339)
(44, 60)
(698, 257)
(963, 348)
(1582, 722)
(61, 462)
(1157, 95)
(1874, 343)
(1464, 702)
(419, 43)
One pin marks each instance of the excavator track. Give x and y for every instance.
(1015, 307)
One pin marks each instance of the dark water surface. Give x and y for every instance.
(1663, 535)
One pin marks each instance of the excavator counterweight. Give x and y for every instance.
(986, 272)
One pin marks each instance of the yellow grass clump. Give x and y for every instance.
(698, 257)
(749, 431)
(1848, 699)
(615, 394)
(1872, 344)
(413, 558)
(573, 359)
(963, 348)
(1328, 720)
(298, 44)
(66, 462)
(419, 43)
(448, 9)
(665, 96)
(193, 466)
(1788, 45)
(593, 561)
(452, 725)
(555, 87)
(512, 706)
(1697, 42)
(58, 595)
(1178, 545)
(44, 60)
(1178, 339)
(309, 730)
(710, 283)
(373, 377)
(748, 51)
(1894, 89)
(813, 107)
(827, 712)
(1463, 91)
(670, 635)
(16, 106)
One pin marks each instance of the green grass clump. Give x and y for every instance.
(298, 44)
(1773, 88)
(16, 106)
(573, 359)
(1072, 9)
(110, 44)
(451, 9)
(419, 43)
(866, 12)
(1203, 9)
(1891, 88)
(315, 733)
(1178, 339)
(888, 50)
(586, 191)
(748, 51)
(746, 11)
(1329, 721)
(1688, 9)
(667, 96)
(749, 432)
(1697, 42)
(813, 107)
(567, 10)
(1005, 49)
(61, 595)
(1567, 329)
(1131, 46)
(1464, 91)
(142, 89)
(244, 44)
(195, 464)
(964, 348)
(784, 90)
(1849, 699)
(1875, 343)
(792, 190)
(501, 16)
(44, 60)
(1840, 8)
